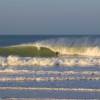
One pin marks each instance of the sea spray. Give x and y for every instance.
(76, 46)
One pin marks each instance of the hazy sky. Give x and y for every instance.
(49, 16)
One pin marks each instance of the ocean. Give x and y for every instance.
(6, 40)
(79, 78)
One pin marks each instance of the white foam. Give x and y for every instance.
(73, 46)
(52, 89)
(60, 61)
(85, 52)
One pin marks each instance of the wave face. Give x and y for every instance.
(83, 45)
(71, 45)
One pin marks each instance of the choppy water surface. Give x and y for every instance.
(56, 82)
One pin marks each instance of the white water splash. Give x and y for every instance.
(73, 46)
(59, 61)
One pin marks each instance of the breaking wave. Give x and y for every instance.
(84, 46)
(82, 51)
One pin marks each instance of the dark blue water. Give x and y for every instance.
(6, 40)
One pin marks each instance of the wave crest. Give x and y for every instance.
(83, 46)
(73, 46)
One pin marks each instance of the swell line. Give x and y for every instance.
(39, 79)
(7, 71)
(52, 89)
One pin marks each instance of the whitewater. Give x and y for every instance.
(84, 46)
(73, 74)
(81, 51)
(47, 62)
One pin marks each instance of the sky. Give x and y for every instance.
(49, 16)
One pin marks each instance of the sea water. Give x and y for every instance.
(52, 82)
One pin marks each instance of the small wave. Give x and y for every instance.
(42, 72)
(51, 89)
(46, 79)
